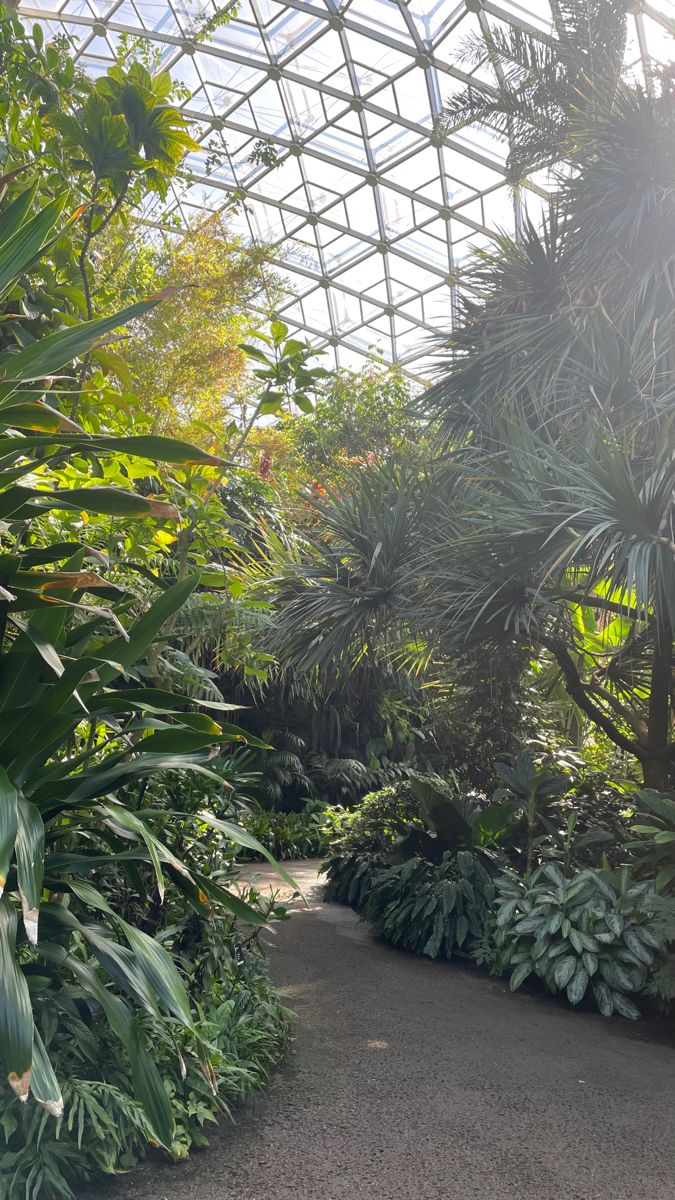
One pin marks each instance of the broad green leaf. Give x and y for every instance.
(240, 909)
(26, 242)
(48, 355)
(520, 974)
(128, 821)
(576, 988)
(505, 913)
(148, 1087)
(14, 215)
(108, 501)
(42, 645)
(626, 1007)
(564, 970)
(158, 966)
(8, 825)
(279, 331)
(44, 1084)
(637, 947)
(153, 700)
(180, 741)
(33, 415)
(604, 997)
(160, 449)
(16, 1017)
(142, 634)
(241, 837)
(30, 858)
(149, 1090)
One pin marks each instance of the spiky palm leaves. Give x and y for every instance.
(570, 550)
(552, 522)
(339, 596)
(546, 85)
(572, 323)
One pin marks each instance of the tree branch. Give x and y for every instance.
(575, 688)
(590, 600)
(636, 722)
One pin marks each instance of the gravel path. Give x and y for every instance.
(415, 1080)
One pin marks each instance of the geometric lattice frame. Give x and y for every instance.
(370, 219)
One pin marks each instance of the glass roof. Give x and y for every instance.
(320, 113)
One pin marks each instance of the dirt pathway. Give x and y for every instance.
(415, 1080)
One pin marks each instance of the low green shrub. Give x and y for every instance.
(365, 839)
(594, 932)
(380, 822)
(103, 1129)
(290, 835)
(654, 847)
(437, 910)
(433, 871)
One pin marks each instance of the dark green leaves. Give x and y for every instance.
(588, 928)
(8, 825)
(16, 1018)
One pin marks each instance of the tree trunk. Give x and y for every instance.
(655, 768)
(655, 773)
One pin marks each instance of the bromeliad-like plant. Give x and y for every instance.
(74, 727)
(593, 931)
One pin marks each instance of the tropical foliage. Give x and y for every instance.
(546, 85)
(547, 524)
(121, 1007)
(593, 931)
(252, 608)
(443, 874)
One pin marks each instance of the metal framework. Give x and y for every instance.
(321, 114)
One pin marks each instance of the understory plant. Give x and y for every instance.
(441, 872)
(433, 909)
(654, 847)
(81, 717)
(103, 1129)
(595, 932)
(289, 835)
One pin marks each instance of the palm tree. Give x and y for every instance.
(559, 395)
(550, 523)
(571, 552)
(573, 322)
(338, 593)
(547, 85)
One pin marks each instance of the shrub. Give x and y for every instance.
(594, 930)
(437, 910)
(103, 1129)
(365, 839)
(290, 835)
(655, 848)
(381, 820)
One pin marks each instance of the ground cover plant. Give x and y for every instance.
(482, 886)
